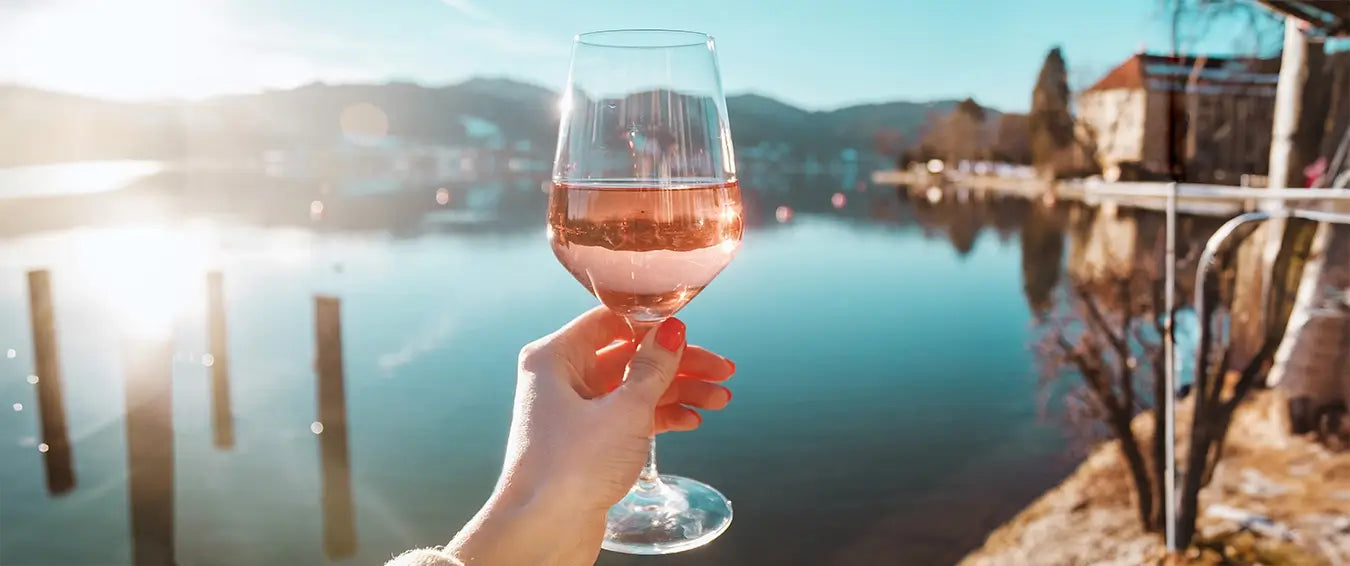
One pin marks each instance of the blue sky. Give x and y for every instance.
(816, 54)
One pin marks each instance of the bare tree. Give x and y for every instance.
(1097, 343)
(1105, 337)
(1246, 25)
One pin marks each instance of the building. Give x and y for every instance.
(1217, 111)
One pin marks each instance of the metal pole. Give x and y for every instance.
(1212, 247)
(1169, 373)
(1221, 236)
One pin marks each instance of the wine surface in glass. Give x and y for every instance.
(645, 250)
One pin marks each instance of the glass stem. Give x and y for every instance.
(649, 479)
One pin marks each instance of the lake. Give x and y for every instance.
(886, 406)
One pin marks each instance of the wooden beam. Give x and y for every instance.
(51, 396)
(1325, 20)
(339, 523)
(222, 418)
(150, 453)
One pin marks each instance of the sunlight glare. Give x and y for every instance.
(729, 214)
(564, 104)
(128, 48)
(148, 276)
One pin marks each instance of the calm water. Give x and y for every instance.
(885, 410)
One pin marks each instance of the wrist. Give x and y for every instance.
(521, 525)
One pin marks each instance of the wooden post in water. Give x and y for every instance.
(150, 467)
(222, 418)
(339, 522)
(51, 402)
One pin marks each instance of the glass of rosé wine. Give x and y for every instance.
(645, 211)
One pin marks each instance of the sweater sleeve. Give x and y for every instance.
(423, 557)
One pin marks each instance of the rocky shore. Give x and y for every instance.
(1275, 499)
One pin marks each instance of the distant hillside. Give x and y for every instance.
(42, 126)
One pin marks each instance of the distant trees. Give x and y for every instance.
(1050, 125)
(1012, 139)
(887, 141)
(960, 135)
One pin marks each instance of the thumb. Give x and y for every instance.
(653, 366)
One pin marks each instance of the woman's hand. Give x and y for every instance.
(587, 400)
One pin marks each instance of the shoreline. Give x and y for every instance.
(1274, 499)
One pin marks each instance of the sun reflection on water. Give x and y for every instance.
(147, 276)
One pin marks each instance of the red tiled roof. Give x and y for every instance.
(1129, 74)
(1166, 72)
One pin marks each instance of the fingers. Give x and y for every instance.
(697, 394)
(705, 365)
(696, 363)
(653, 366)
(596, 328)
(610, 365)
(675, 418)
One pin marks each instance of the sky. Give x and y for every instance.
(816, 54)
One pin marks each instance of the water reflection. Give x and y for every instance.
(437, 296)
(150, 449)
(1042, 255)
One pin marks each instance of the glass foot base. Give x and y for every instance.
(675, 515)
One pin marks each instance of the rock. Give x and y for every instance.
(1341, 524)
(1257, 485)
(1254, 522)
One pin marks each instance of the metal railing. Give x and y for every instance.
(1275, 200)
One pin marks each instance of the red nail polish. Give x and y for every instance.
(670, 335)
(733, 365)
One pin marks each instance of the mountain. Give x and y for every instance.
(43, 126)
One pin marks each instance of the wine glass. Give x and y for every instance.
(644, 211)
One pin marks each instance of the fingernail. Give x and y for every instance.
(733, 365)
(728, 395)
(671, 334)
